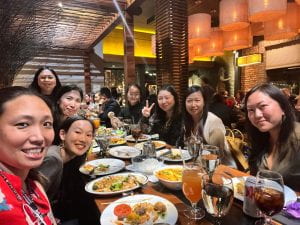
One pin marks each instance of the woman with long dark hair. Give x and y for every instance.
(46, 82)
(166, 120)
(274, 134)
(199, 122)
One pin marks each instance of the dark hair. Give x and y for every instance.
(66, 89)
(106, 92)
(188, 120)
(35, 86)
(176, 108)
(260, 140)
(70, 120)
(136, 86)
(10, 93)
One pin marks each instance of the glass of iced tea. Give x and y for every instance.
(96, 122)
(269, 194)
(191, 187)
(136, 131)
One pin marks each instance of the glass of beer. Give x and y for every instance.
(217, 194)
(96, 122)
(269, 194)
(191, 187)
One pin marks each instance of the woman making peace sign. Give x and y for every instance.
(166, 120)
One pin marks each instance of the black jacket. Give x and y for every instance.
(132, 112)
(110, 106)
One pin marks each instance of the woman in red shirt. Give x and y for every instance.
(26, 132)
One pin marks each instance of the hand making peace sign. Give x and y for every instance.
(146, 111)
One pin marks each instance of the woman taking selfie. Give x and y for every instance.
(26, 132)
(166, 120)
(274, 134)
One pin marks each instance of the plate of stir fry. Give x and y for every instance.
(102, 166)
(140, 209)
(116, 184)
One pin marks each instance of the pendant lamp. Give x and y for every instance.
(199, 28)
(215, 45)
(237, 39)
(285, 26)
(233, 14)
(264, 10)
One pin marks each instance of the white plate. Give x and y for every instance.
(108, 217)
(141, 178)
(289, 194)
(130, 167)
(115, 165)
(185, 154)
(117, 144)
(144, 137)
(124, 152)
(159, 144)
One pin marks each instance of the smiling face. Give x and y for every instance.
(78, 138)
(69, 103)
(46, 82)
(264, 112)
(165, 100)
(26, 132)
(133, 95)
(194, 104)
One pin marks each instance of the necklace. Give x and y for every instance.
(27, 198)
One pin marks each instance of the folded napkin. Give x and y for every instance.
(293, 209)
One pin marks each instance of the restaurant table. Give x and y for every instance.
(234, 216)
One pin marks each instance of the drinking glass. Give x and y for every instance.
(210, 158)
(191, 187)
(217, 194)
(103, 143)
(96, 123)
(126, 125)
(194, 146)
(136, 131)
(268, 194)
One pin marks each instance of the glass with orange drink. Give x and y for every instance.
(192, 187)
(96, 122)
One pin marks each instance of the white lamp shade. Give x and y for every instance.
(285, 26)
(237, 39)
(233, 14)
(199, 28)
(265, 10)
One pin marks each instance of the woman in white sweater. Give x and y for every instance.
(198, 121)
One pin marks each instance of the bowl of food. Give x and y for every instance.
(170, 176)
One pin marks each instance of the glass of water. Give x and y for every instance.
(210, 157)
(194, 146)
(217, 194)
(103, 143)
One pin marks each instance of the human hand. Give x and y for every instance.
(146, 111)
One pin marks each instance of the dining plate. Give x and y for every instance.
(239, 188)
(102, 166)
(175, 155)
(108, 216)
(116, 183)
(124, 152)
(157, 144)
(143, 137)
(115, 141)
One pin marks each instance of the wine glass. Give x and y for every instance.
(126, 124)
(194, 146)
(210, 158)
(269, 194)
(136, 131)
(103, 143)
(191, 187)
(217, 194)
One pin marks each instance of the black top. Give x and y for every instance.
(110, 106)
(168, 131)
(132, 112)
